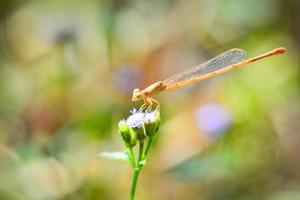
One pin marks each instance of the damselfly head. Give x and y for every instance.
(136, 95)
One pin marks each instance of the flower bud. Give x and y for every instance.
(152, 123)
(128, 136)
(140, 132)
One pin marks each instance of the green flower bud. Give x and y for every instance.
(140, 132)
(128, 136)
(152, 123)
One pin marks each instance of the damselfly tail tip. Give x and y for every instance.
(279, 50)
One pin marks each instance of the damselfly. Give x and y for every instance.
(220, 64)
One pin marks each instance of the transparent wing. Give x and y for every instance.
(221, 61)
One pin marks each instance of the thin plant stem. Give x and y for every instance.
(131, 156)
(137, 170)
(141, 150)
(150, 140)
(134, 182)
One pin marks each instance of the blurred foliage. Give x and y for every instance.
(67, 69)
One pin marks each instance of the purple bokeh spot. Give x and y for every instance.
(126, 78)
(57, 29)
(213, 119)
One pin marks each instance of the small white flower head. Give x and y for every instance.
(151, 117)
(141, 123)
(136, 119)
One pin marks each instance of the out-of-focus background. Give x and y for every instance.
(67, 70)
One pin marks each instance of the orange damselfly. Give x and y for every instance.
(220, 64)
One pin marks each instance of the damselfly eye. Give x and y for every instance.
(136, 90)
(136, 94)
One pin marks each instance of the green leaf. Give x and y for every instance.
(117, 155)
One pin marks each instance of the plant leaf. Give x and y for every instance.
(117, 155)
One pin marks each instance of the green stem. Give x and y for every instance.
(141, 150)
(148, 147)
(134, 183)
(131, 156)
(137, 170)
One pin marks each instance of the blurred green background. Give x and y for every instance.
(67, 70)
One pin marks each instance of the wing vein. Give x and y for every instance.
(221, 61)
